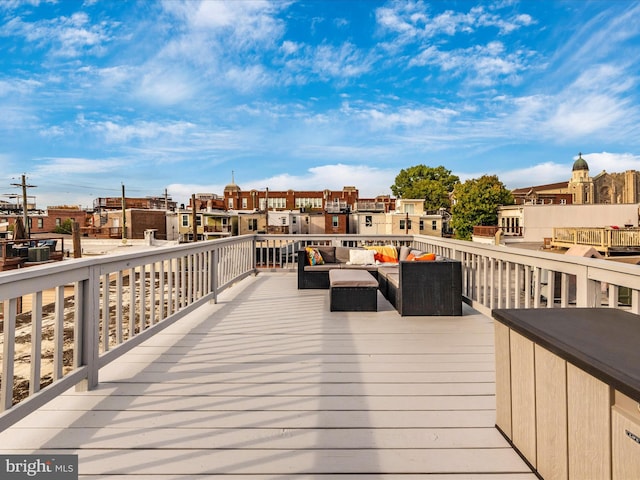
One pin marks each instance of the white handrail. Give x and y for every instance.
(107, 305)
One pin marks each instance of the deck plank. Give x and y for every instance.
(269, 384)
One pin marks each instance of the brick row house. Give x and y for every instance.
(239, 212)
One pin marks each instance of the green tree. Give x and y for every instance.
(64, 227)
(431, 183)
(476, 203)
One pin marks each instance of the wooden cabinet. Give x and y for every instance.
(589, 425)
(523, 396)
(503, 379)
(625, 438)
(551, 415)
(568, 390)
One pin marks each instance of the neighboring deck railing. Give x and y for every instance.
(606, 240)
(63, 322)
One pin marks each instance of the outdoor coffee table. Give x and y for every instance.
(353, 290)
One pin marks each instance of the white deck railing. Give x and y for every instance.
(62, 322)
(604, 240)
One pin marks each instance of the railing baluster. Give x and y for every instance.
(551, 288)
(142, 298)
(8, 353)
(58, 332)
(36, 343)
(119, 317)
(152, 293)
(161, 288)
(132, 303)
(105, 320)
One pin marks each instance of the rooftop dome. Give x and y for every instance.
(232, 187)
(580, 164)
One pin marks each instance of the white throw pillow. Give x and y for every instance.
(361, 257)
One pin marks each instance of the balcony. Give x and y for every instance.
(205, 359)
(609, 240)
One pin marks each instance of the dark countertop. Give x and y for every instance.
(604, 342)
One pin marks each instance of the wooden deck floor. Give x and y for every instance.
(269, 384)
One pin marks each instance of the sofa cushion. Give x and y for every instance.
(370, 267)
(342, 254)
(325, 267)
(351, 278)
(384, 253)
(393, 279)
(361, 257)
(426, 257)
(328, 253)
(404, 252)
(314, 256)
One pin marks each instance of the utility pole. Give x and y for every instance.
(25, 207)
(124, 217)
(194, 217)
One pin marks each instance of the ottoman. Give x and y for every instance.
(352, 290)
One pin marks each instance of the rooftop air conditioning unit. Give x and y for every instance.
(39, 254)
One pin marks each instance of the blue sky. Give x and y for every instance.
(177, 95)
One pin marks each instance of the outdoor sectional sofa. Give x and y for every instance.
(412, 287)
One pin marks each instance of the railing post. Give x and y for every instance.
(214, 274)
(90, 316)
(586, 290)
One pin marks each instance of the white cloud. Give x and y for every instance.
(75, 166)
(412, 21)
(166, 86)
(611, 162)
(63, 36)
(540, 174)
(344, 61)
(595, 103)
(553, 172)
(240, 25)
(408, 117)
(370, 181)
(118, 133)
(481, 65)
(18, 86)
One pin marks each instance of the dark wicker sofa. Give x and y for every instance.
(317, 276)
(413, 288)
(423, 288)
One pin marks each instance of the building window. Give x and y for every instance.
(277, 202)
(40, 223)
(405, 224)
(58, 222)
(185, 220)
(335, 221)
(199, 220)
(434, 225)
(244, 203)
(284, 220)
(563, 201)
(253, 224)
(421, 225)
(308, 202)
(230, 203)
(368, 221)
